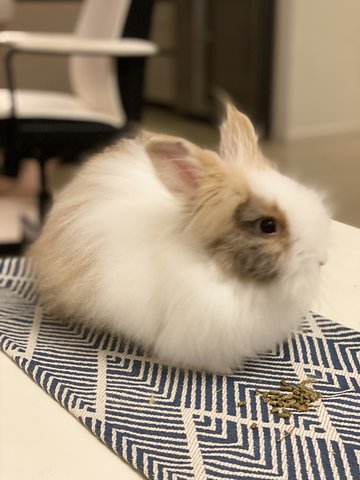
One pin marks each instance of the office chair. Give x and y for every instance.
(43, 124)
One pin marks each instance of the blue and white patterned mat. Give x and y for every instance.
(180, 425)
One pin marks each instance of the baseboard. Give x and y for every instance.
(321, 130)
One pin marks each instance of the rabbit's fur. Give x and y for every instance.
(161, 241)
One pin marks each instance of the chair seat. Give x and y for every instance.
(37, 104)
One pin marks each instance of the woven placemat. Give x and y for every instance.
(176, 424)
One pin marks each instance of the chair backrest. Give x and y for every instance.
(94, 79)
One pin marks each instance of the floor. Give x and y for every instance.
(331, 164)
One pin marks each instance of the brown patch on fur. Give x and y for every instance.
(246, 251)
(256, 207)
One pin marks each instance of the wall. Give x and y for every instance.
(42, 71)
(160, 81)
(317, 61)
(317, 68)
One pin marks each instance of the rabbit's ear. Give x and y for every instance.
(238, 140)
(179, 164)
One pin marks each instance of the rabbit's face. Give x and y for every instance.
(256, 223)
(274, 227)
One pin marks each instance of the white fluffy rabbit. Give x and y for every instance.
(203, 258)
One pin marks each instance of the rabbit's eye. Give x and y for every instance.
(268, 225)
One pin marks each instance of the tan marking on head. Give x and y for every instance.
(212, 209)
(247, 252)
(222, 211)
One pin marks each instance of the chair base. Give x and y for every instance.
(48, 138)
(45, 139)
(13, 249)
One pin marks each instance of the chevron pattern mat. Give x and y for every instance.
(180, 425)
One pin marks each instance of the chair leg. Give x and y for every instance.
(44, 197)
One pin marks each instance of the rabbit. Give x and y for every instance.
(204, 258)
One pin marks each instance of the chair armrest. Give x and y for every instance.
(67, 44)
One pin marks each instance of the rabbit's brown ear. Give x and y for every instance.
(180, 165)
(238, 140)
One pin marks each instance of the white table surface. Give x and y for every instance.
(41, 440)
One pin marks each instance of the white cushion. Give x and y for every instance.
(38, 104)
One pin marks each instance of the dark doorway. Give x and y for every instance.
(225, 46)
